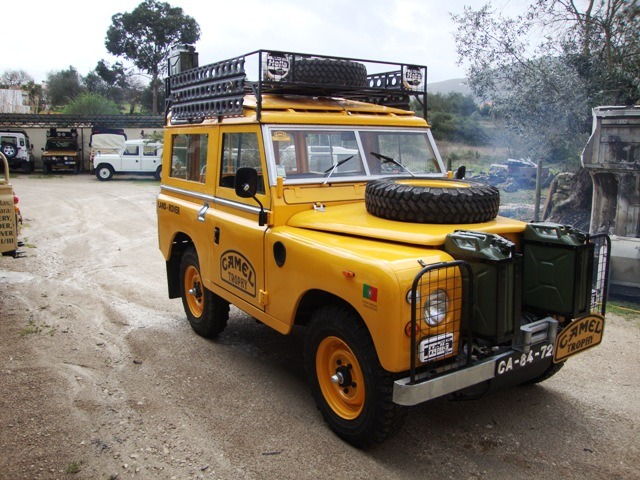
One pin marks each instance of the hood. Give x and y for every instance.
(353, 219)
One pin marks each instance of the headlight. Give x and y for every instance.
(436, 307)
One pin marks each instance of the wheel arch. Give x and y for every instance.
(179, 244)
(312, 300)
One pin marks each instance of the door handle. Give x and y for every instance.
(216, 236)
(202, 212)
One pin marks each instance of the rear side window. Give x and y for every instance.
(149, 151)
(189, 156)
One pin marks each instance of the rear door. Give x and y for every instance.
(151, 157)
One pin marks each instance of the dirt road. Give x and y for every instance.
(102, 377)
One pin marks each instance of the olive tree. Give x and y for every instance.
(145, 37)
(63, 86)
(543, 71)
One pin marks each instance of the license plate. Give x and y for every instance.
(519, 360)
(438, 346)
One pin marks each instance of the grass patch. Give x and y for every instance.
(33, 328)
(73, 468)
(630, 311)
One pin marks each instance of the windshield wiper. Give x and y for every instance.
(386, 159)
(329, 171)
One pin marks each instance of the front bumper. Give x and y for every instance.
(530, 355)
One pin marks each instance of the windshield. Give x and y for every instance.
(62, 144)
(304, 154)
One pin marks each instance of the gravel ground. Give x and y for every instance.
(102, 377)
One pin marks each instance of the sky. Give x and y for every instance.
(50, 36)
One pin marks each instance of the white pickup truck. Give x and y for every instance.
(134, 157)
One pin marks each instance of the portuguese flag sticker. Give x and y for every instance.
(370, 293)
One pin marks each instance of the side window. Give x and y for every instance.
(131, 150)
(239, 150)
(149, 151)
(189, 156)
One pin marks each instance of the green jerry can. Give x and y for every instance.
(557, 269)
(496, 283)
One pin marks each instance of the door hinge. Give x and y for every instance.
(263, 297)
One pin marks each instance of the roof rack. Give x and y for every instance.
(218, 89)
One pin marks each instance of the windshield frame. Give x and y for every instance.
(269, 129)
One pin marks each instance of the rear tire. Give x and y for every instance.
(207, 312)
(351, 389)
(26, 166)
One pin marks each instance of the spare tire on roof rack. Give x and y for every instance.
(326, 71)
(431, 200)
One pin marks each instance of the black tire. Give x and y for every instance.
(26, 166)
(9, 150)
(331, 72)
(158, 173)
(46, 168)
(431, 200)
(357, 403)
(104, 172)
(548, 373)
(207, 312)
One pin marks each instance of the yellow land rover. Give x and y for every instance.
(303, 190)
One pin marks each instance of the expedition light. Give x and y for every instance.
(436, 307)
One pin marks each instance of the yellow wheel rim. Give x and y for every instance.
(340, 378)
(193, 290)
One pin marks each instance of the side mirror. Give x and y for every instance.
(246, 183)
(246, 186)
(461, 172)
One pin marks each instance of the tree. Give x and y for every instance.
(585, 53)
(116, 83)
(15, 78)
(145, 37)
(91, 104)
(35, 93)
(63, 86)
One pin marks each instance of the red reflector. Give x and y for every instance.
(15, 199)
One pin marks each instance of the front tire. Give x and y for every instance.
(548, 373)
(104, 172)
(351, 389)
(207, 312)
